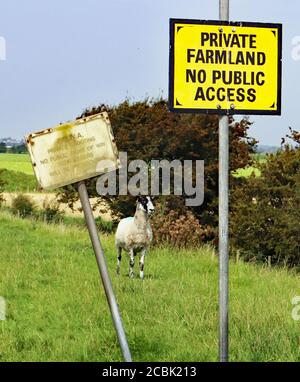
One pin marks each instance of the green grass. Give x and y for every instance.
(247, 172)
(16, 181)
(56, 308)
(18, 173)
(16, 162)
(251, 170)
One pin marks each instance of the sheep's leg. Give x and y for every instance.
(142, 262)
(131, 263)
(119, 249)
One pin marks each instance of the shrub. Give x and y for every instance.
(178, 229)
(105, 226)
(23, 205)
(51, 211)
(265, 211)
(2, 184)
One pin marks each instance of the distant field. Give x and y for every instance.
(251, 170)
(16, 162)
(20, 164)
(246, 172)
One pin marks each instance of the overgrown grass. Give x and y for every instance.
(16, 162)
(40, 215)
(16, 181)
(56, 308)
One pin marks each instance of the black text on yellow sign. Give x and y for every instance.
(225, 67)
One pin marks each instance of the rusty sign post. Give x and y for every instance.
(101, 262)
(70, 154)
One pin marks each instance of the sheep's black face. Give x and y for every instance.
(146, 204)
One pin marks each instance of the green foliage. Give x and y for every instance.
(2, 147)
(2, 185)
(20, 149)
(105, 226)
(23, 206)
(57, 310)
(51, 212)
(265, 219)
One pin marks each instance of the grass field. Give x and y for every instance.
(247, 172)
(16, 162)
(56, 309)
(18, 173)
(251, 170)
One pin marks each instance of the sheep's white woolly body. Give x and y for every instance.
(134, 234)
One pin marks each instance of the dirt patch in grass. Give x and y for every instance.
(40, 198)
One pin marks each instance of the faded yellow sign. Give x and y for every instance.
(225, 67)
(73, 151)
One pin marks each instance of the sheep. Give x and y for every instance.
(134, 234)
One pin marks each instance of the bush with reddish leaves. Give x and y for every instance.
(180, 230)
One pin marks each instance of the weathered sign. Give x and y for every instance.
(225, 67)
(73, 151)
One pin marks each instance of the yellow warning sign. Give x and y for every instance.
(225, 67)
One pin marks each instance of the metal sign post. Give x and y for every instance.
(224, 68)
(223, 219)
(89, 218)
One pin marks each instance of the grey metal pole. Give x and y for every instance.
(90, 221)
(223, 218)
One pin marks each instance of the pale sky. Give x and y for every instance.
(65, 55)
